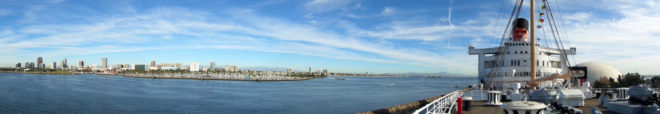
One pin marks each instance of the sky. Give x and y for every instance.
(376, 36)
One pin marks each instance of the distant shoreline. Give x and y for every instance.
(187, 77)
(256, 78)
(47, 73)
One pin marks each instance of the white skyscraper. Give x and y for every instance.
(194, 67)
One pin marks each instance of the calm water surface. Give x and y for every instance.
(34, 93)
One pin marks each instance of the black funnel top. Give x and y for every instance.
(520, 23)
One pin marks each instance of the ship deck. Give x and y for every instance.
(478, 107)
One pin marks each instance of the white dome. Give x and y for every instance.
(596, 70)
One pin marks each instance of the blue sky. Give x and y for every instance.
(380, 36)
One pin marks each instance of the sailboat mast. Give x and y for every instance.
(532, 42)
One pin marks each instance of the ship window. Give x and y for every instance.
(525, 52)
(508, 52)
(526, 44)
(516, 52)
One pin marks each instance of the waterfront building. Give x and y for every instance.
(325, 72)
(233, 68)
(226, 68)
(289, 71)
(178, 65)
(64, 64)
(54, 65)
(119, 66)
(205, 69)
(169, 68)
(95, 67)
(310, 70)
(140, 67)
(39, 62)
(42, 66)
(166, 65)
(29, 64)
(194, 67)
(153, 68)
(153, 63)
(105, 63)
(127, 66)
(81, 64)
(18, 65)
(212, 66)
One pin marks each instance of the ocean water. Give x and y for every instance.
(35, 93)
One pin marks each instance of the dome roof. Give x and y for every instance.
(596, 70)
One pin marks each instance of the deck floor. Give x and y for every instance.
(478, 107)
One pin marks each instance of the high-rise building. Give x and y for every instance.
(310, 69)
(212, 66)
(105, 63)
(289, 71)
(54, 65)
(233, 68)
(27, 65)
(140, 67)
(64, 64)
(81, 64)
(326, 72)
(179, 66)
(226, 68)
(39, 62)
(18, 65)
(194, 67)
(153, 63)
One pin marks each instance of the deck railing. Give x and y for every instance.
(443, 105)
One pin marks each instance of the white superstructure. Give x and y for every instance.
(514, 56)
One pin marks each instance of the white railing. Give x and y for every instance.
(442, 105)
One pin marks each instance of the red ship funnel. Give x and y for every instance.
(520, 29)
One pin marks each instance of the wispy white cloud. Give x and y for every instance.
(388, 11)
(622, 42)
(130, 33)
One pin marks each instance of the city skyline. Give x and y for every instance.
(340, 35)
(153, 65)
